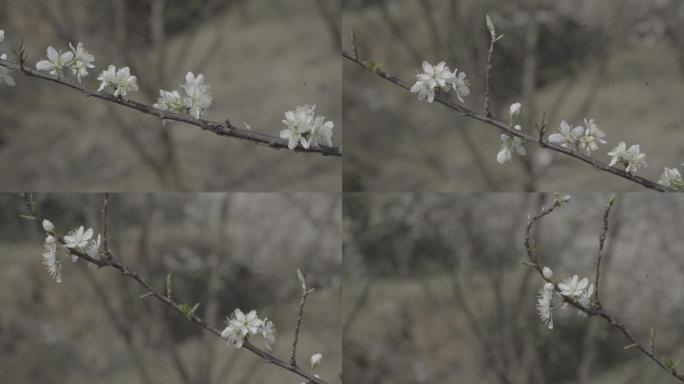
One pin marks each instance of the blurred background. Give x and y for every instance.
(435, 290)
(225, 251)
(618, 61)
(261, 58)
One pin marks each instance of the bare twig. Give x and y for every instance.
(466, 112)
(300, 315)
(221, 129)
(150, 292)
(490, 55)
(602, 240)
(105, 208)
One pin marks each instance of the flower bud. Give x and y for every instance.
(48, 226)
(316, 360)
(547, 272)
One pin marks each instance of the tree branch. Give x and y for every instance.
(113, 262)
(466, 112)
(602, 240)
(220, 129)
(595, 310)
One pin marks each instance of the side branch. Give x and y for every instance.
(222, 129)
(602, 241)
(466, 112)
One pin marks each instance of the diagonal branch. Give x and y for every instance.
(594, 310)
(220, 129)
(113, 262)
(466, 112)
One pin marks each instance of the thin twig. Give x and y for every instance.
(149, 291)
(602, 240)
(300, 315)
(105, 207)
(466, 112)
(490, 55)
(220, 129)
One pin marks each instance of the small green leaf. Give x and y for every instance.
(670, 363)
(372, 66)
(188, 311)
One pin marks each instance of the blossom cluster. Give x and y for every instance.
(120, 81)
(510, 143)
(581, 138)
(440, 78)
(550, 297)
(630, 158)
(671, 178)
(585, 139)
(196, 100)
(5, 72)
(80, 239)
(77, 60)
(240, 326)
(307, 129)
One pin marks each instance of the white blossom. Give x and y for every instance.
(316, 360)
(573, 287)
(197, 99)
(48, 226)
(436, 77)
(547, 272)
(508, 145)
(461, 85)
(81, 62)
(593, 136)
(78, 238)
(268, 332)
(50, 258)
(170, 101)
(298, 122)
(321, 133)
(568, 137)
(247, 323)
(585, 299)
(544, 304)
(632, 159)
(233, 335)
(56, 61)
(93, 247)
(515, 109)
(671, 178)
(120, 81)
(5, 73)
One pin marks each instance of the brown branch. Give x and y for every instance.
(468, 113)
(594, 310)
(150, 292)
(220, 129)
